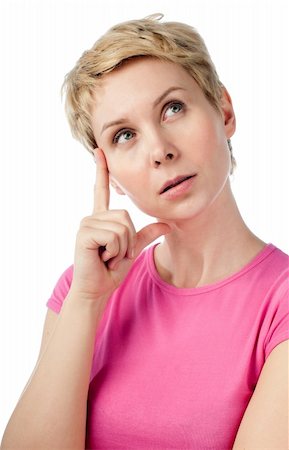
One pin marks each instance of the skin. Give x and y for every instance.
(205, 222)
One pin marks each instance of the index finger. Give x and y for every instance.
(101, 187)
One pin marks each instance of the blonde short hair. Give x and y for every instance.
(169, 41)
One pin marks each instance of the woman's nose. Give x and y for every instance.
(162, 151)
(161, 159)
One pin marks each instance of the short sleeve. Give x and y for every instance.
(279, 325)
(60, 290)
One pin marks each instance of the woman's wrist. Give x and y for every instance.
(84, 302)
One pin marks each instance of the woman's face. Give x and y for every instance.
(154, 124)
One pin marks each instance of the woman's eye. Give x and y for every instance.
(173, 108)
(123, 136)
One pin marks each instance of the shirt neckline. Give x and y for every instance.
(264, 253)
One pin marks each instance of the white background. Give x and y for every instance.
(47, 177)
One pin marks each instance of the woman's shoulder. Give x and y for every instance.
(278, 260)
(60, 290)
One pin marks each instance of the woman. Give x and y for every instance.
(184, 344)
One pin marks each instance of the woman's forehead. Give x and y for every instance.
(141, 78)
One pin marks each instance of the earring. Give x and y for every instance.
(230, 146)
(233, 161)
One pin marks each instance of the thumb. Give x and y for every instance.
(148, 234)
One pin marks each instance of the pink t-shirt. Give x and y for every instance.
(175, 368)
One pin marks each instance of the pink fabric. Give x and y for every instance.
(175, 368)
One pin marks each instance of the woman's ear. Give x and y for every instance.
(228, 113)
(116, 187)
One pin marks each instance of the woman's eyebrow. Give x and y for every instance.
(167, 92)
(155, 103)
(111, 124)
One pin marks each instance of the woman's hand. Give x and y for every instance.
(107, 243)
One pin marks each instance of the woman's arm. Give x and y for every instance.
(265, 422)
(51, 412)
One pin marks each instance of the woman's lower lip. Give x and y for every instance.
(179, 189)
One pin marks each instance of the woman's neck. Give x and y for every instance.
(207, 248)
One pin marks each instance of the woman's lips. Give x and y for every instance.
(179, 189)
(171, 183)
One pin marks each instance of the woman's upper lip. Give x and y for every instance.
(175, 181)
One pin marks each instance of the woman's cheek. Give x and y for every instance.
(120, 181)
